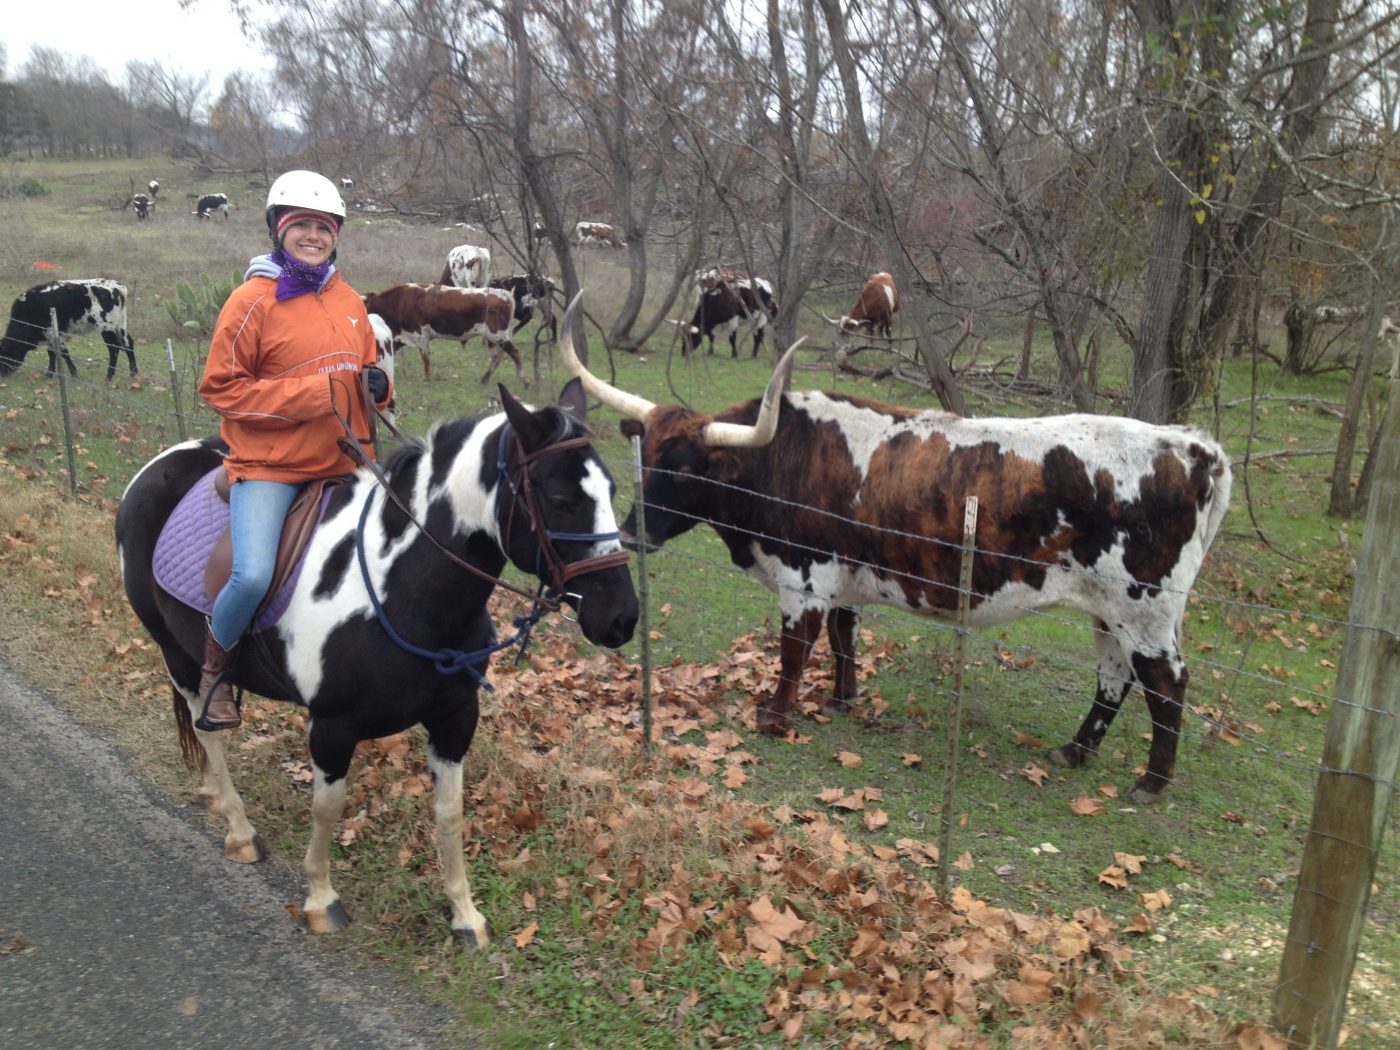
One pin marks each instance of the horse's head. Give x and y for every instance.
(556, 514)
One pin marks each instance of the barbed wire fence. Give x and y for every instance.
(1351, 782)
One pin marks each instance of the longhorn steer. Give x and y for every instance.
(209, 204)
(467, 267)
(599, 233)
(97, 305)
(836, 502)
(418, 313)
(873, 311)
(728, 303)
(529, 290)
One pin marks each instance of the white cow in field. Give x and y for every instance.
(467, 267)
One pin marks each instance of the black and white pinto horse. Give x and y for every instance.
(386, 626)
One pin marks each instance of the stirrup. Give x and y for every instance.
(208, 725)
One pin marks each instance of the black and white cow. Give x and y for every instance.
(153, 187)
(98, 304)
(728, 303)
(142, 205)
(529, 290)
(209, 204)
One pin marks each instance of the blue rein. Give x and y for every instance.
(455, 661)
(445, 661)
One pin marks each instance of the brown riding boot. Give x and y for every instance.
(220, 708)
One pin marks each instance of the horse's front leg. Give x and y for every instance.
(469, 926)
(323, 912)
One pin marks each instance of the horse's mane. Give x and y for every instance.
(563, 425)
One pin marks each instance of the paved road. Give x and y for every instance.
(121, 925)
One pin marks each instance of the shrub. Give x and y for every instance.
(198, 306)
(25, 187)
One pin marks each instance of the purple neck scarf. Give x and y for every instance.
(298, 278)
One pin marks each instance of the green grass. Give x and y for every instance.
(1236, 814)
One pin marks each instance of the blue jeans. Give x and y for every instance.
(257, 510)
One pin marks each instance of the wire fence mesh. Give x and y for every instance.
(1263, 681)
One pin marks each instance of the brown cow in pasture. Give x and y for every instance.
(873, 311)
(418, 313)
(599, 233)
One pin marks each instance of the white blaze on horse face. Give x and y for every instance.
(596, 486)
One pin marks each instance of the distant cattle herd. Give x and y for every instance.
(468, 300)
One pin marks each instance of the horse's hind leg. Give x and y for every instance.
(241, 842)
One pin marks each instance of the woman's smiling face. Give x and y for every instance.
(309, 240)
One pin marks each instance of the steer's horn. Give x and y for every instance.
(741, 435)
(832, 320)
(628, 404)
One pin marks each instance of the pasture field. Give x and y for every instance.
(729, 889)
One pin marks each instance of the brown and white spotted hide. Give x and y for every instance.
(416, 314)
(598, 233)
(874, 309)
(854, 502)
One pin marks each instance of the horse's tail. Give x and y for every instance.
(190, 748)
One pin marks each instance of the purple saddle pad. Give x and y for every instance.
(184, 546)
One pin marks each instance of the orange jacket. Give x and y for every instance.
(274, 371)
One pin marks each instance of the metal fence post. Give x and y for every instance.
(950, 768)
(55, 345)
(175, 391)
(644, 623)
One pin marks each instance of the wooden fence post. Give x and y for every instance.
(1357, 780)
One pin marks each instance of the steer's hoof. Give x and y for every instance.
(773, 722)
(1071, 756)
(834, 706)
(247, 852)
(1147, 791)
(331, 919)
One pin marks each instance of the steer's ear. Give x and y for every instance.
(632, 428)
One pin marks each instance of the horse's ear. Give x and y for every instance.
(573, 400)
(530, 430)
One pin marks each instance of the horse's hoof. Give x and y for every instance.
(332, 919)
(835, 706)
(245, 852)
(475, 939)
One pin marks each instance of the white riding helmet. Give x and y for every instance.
(303, 189)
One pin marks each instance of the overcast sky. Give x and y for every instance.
(203, 40)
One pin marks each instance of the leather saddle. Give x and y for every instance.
(301, 522)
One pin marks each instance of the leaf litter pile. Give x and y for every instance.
(858, 949)
(854, 944)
